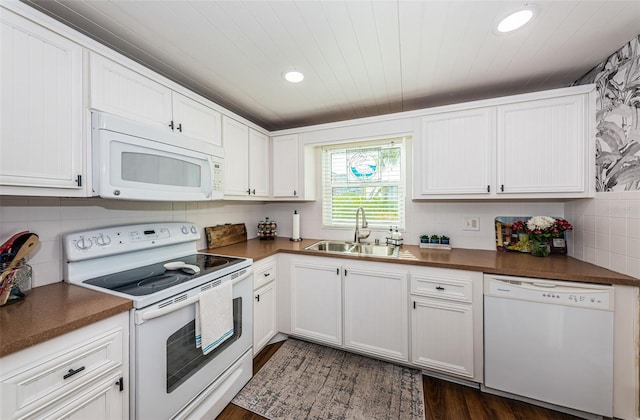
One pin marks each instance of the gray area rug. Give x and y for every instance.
(308, 381)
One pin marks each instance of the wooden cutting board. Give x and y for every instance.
(228, 234)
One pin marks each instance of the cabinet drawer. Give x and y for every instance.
(263, 274)
(49, 379)
(442, 288)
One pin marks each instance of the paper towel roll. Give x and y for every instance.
(296, 226)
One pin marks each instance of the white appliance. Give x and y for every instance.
(135, 161)
(550, 341)
(170, 377)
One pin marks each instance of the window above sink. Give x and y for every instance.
(367, 174)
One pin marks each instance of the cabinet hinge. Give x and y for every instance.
(120, 383)
(79, 180)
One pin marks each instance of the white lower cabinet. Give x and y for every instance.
(367, 299)
(427, 317)
(265, 316)
(265, 309)
(81, 374)
(446, 321)
(442, 336)
(316, 299)
(375, 310)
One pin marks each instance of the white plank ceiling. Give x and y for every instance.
(360, 57)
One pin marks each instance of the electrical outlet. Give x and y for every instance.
(471, 223)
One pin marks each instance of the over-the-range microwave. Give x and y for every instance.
(137, 161)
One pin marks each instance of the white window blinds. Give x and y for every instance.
(367, 174)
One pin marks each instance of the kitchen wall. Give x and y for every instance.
(442, 218)
(607, 231)
(51, 218)
(607, 227)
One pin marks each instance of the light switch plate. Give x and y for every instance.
(471, 223)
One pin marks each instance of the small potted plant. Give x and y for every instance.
(444, 240)
(435, 239)
(424, 239)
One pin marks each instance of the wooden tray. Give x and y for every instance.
(222, 235)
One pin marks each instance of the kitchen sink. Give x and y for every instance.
(375, 250)
(351, 248)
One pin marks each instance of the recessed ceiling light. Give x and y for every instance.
(516, 20)
(293, 76)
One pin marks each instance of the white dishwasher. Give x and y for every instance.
(550, 341)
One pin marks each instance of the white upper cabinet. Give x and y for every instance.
(119, 90)
(455, 153)
(42, 118)
(293, 169)
(541, 146)
(246, 154)
(196, 120)
(235, 138)
(538, 145)
(258, 164)
(286, 182)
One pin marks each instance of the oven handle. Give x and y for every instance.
(146, 316)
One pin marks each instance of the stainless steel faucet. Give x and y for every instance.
(357, 236)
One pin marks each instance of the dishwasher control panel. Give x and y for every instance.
(562, 293)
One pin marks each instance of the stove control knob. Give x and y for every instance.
(184, 229)
(83, 244)
(194, 230)
(102, 240)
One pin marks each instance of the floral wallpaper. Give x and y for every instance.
(617, 81)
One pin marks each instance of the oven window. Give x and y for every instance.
(184, 359)
(160, 170)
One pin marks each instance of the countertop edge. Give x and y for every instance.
(95, 306)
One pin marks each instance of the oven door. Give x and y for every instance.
(169, 371)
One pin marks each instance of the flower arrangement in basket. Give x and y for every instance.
(544, 232)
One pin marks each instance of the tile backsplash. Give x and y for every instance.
(607, 231)
(51, 218)
(607, 228)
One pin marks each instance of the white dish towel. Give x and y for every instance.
(214, 317)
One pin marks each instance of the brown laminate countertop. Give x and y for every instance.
(558, 267)
(52, 310)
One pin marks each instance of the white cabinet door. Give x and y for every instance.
(286, 175)
(97, 401)
(454, 156)
(235, 139)
(41, 120)
(196, 120)
(442, 336)
(76, 375)
(316, 300)
(258, 164)
(265, 316)
(375, 312)
(541, 145)
(121, 91)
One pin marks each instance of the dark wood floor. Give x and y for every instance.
(442, 400)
